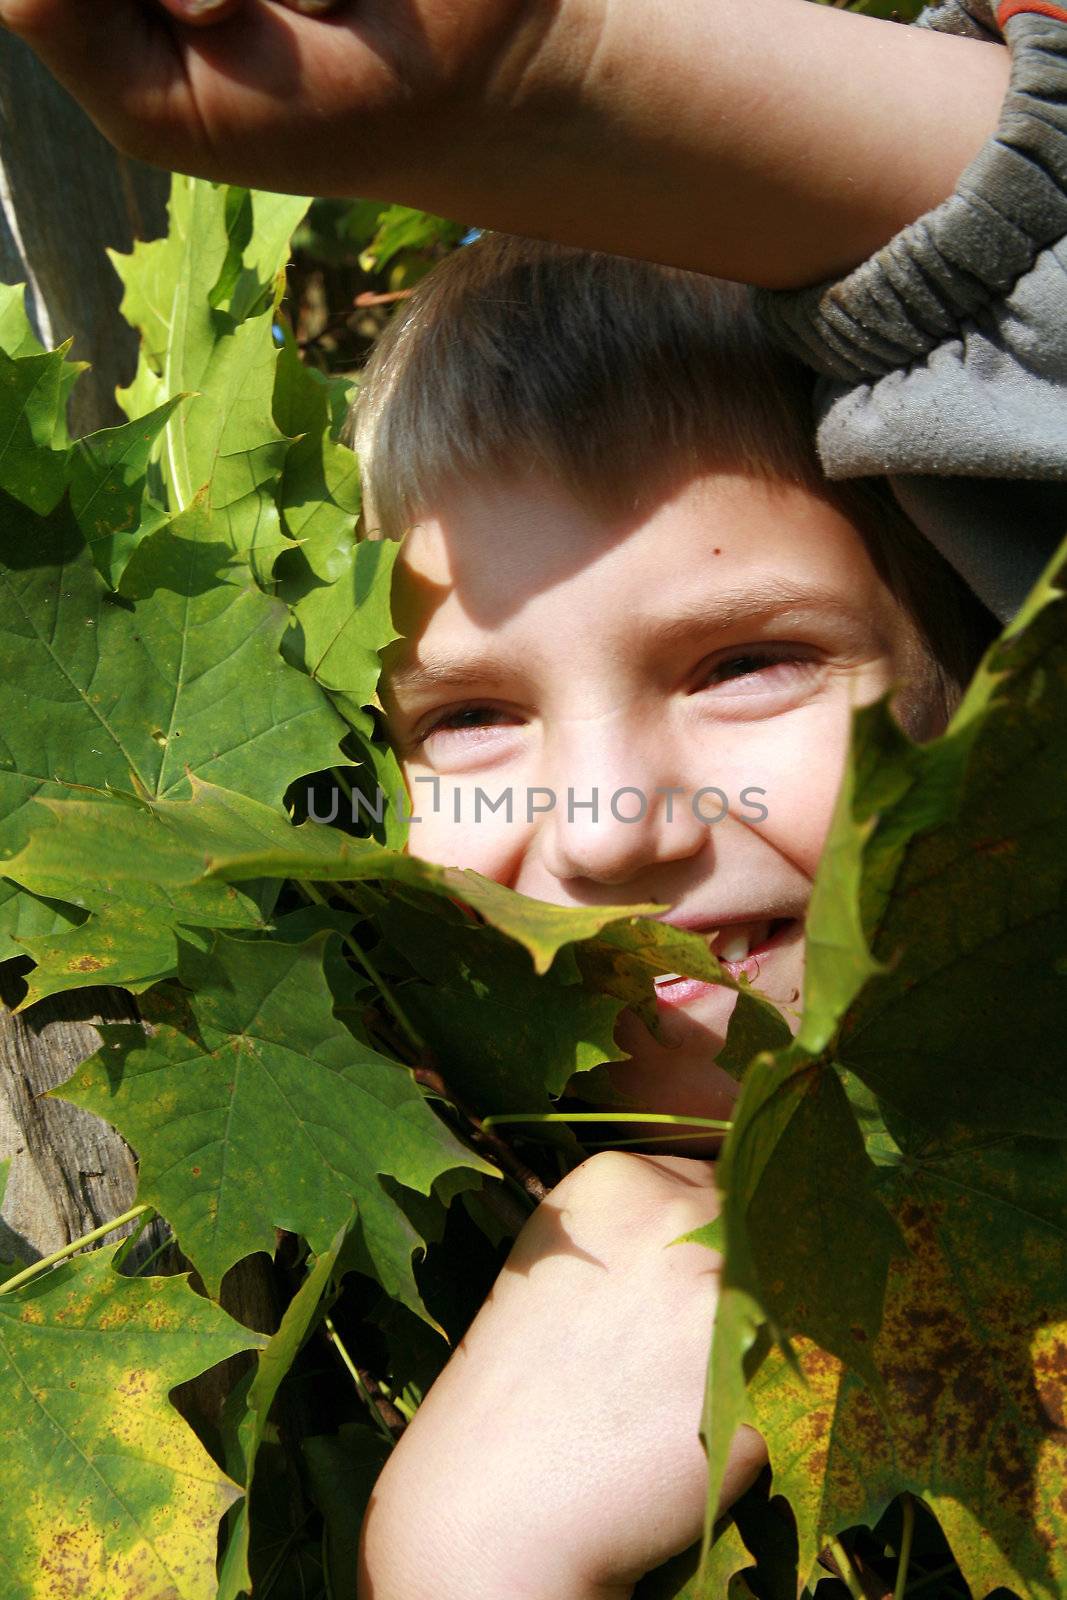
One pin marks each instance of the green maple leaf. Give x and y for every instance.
(320, 492)
(324, 855)
(17, 337)
(507, 1037)
(203, 300)
(343, 1467)
(275, 1359)
(972, 914)
(109, 489)
(344, 624)
(32, 397)
(25, 916)
(108, 1490)
(102, 693)
(136, 866)
(253, 1108)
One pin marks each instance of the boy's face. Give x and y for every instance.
(716, 643)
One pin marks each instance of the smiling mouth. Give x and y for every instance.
(735, 946)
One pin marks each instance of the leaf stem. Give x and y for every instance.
(69, 1249)
(907, 1506)
(342, 783)
(847, 1570)
(142, 1270)
(932, 1577)
(354, 1373)
(648, 1138)
(123, 1252)
(405, 1023)
(609, 1116)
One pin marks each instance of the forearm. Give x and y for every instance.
(558, 1454)
(773, 141)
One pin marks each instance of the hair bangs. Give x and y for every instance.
(608, 374)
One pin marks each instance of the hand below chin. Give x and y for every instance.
(680, 1078)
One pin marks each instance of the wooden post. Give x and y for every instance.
(66, 195)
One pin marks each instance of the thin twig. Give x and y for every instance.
(377, 1407)
(846, 1570)
(413, 1036)
(369, 298)
(609, 1116)
(430, 1078)
(907, 1534)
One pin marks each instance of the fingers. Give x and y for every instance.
(200, 13)
(313, 8)
(204, 13)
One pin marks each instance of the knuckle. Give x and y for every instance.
(606, 1172)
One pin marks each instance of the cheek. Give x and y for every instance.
(451, 831)
(798, 761)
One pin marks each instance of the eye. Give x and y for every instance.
(467, 719)
(757, 670)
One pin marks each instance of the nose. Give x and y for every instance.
(621, 804)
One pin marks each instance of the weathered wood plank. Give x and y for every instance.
(66, 196)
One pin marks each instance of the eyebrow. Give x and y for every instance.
(729, 608)
(725, 608)
(433, 671)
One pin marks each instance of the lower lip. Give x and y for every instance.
(683, 991)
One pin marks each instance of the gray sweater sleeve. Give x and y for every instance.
(943, 358)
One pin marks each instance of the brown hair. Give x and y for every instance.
(616, 376)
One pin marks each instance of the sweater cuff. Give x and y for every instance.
(945, 268)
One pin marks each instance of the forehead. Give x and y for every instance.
(517, 562)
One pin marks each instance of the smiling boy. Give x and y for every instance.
(636, 619)
(635, 622)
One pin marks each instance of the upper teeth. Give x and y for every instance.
(733, 944)
(732, 947)
(730, 944)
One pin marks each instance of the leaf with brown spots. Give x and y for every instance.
(965, 897)
(107, 1490)
(937, 943)
(973, 1359)
(795, 1152)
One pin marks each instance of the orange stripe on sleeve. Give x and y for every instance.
(1044, 8)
